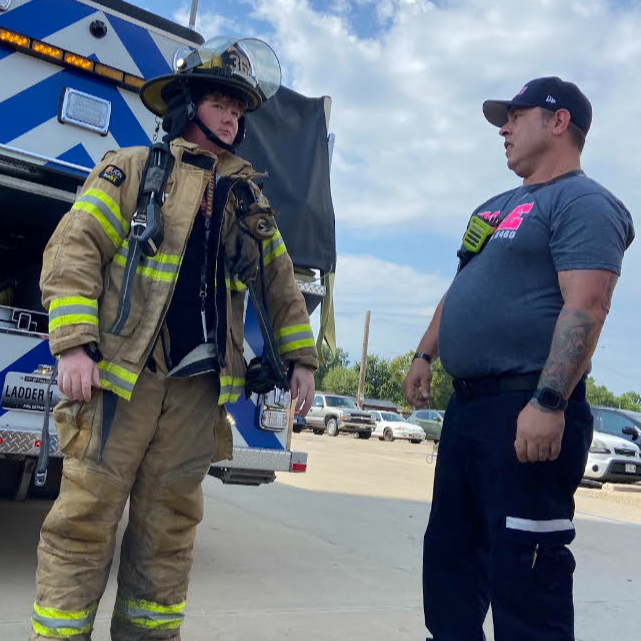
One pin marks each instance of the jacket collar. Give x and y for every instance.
(226, 163)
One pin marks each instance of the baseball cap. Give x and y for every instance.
(549, 93)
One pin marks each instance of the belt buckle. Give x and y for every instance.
(462, 389)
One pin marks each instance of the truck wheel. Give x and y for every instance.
(416, 440)
(297, 429)
(332, 427)
(319, 432)
(388, 435)
(364, 435)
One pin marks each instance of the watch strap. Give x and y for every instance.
(424, 356)
(550, 398)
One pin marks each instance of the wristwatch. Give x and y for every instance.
(550, 398)
(424, 356)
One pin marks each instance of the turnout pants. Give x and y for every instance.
(498, 529)
(159, 449)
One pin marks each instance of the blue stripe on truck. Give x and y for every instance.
(141, 47)
(40, 18)
(39, 103)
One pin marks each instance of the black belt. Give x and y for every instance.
(469, 388)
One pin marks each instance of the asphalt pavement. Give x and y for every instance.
(334, 554)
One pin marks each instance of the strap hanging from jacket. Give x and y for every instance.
(146, 224)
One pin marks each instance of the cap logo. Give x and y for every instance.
(550, 100)
(522, 91)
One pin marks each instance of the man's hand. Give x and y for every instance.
(302, 388)
(416, 385)
(538, 433)
(76, 374)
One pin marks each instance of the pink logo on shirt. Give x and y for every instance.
(514, 219)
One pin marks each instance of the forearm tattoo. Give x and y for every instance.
(574, 341)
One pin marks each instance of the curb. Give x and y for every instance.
(621, 487)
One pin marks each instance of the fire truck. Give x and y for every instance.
(71, 73)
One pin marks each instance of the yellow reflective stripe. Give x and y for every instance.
(155, 624)
(294, 337)
(114, 207)
(59, 633)
(290, 347)
(63, 301)
(235, 284)
(54, 613)
(273, 247)
(72, 310)
(106, 211)
(293, 329)
(171, 259)
(150, 615)
(117, 379)
(72, 319)
(230, 389)
(168, 262)
(151, 606)
(62, 624)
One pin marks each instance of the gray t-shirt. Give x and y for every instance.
(500, 312)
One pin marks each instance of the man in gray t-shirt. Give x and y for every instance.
(516, 330)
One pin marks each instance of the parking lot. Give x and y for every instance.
(336, 553)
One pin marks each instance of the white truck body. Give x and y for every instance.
(71, 70)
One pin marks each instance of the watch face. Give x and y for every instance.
(549, 398)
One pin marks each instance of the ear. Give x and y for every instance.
(560, 121)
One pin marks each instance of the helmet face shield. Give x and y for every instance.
(245, 68)
(246, 59)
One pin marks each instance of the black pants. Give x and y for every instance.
(498, 529)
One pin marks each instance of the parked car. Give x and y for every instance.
(336, 413)
(390, 426)
(612, 458)
(430, 420)
(623, 423)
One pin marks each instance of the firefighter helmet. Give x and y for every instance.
(244, 68)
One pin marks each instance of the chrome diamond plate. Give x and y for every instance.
(312, 288)
(23, 442)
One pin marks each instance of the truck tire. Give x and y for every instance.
(332, 426)
(388, 435)
(416, 440)
(297, 429)
(319, 432)
(364, 435)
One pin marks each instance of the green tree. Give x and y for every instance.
(399, 367)
(599, 394)
(341, 380)
(630, 401)
(327, 362)
(441, 388)
(378, 378)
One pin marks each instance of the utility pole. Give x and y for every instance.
(361, 380)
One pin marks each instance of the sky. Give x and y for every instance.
(414, 155)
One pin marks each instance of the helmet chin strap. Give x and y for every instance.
(212, 137)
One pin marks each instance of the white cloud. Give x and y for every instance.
(401, 300)
(411, 142)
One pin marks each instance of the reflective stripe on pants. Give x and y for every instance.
(159, 450)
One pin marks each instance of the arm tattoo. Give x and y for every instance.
(574, 341)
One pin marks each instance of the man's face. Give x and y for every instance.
(221, 115)
(527, 138)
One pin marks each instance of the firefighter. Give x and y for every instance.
(151, 348)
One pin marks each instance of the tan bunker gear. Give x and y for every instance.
(162, 432)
